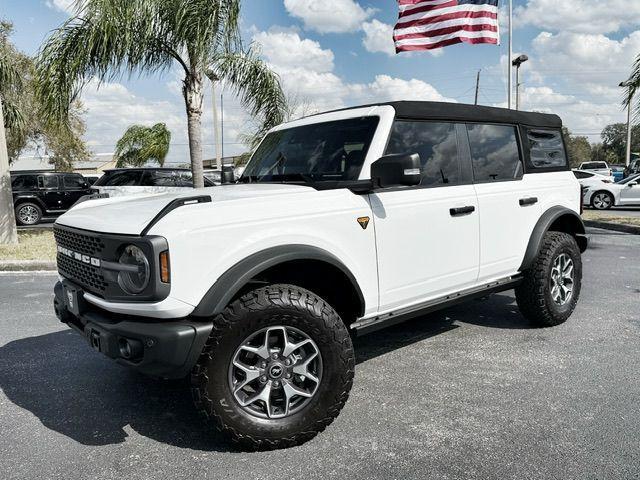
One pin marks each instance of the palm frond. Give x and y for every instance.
(141, 144)
(257, 85)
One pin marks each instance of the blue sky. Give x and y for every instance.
(339, 52)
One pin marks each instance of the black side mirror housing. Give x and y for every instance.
(395, 170)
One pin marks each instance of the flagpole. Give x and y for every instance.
(509, 88)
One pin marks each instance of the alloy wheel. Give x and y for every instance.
(562, 279)
(602, 201)
(275, 372)
(28, 215)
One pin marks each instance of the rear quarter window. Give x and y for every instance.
(546, 150)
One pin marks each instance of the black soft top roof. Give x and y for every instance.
(420, 110)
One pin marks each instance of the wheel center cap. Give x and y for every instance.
(276, 370)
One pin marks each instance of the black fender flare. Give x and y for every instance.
(236, 277)
(544, 223)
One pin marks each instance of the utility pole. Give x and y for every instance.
(222, 125)
(216, 127)
(8, 232)
(509, 89)
(477, 87)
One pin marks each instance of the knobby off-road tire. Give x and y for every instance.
(535, 295)
(274, 306)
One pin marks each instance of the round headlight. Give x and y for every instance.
(134, 280)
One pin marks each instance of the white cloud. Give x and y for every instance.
(385, 89)
(378, 37)
(66, 6)
(329, 16)
(589, 16)
(286, 49)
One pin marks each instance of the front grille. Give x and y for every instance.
(85, 275)
(78, 242)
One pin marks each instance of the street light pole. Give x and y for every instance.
(627, 159)
(516, 63)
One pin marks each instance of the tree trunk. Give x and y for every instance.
(8, 233)
(193, 95)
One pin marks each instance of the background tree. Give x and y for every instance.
(614, 139)
(110, 38)
(23, 117)
(601, 154)
(578, 148)
(141, 144)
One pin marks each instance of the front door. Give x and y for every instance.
(75, 186)
(427, 235)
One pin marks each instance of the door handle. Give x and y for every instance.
(528, 201)
(455, 212)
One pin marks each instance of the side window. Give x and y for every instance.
(546, 149)
(48, 181)
(24, 182)
(73, 182)
(581, 175)
(123, 179)
(494, 152)
(437, 145)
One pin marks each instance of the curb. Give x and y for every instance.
(618, 227)
(27, 265)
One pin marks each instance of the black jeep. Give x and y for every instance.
(38, 194)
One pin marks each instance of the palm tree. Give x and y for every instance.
(632, 85)
(141, 144)
(110, 38)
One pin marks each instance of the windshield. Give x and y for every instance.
(320, 151)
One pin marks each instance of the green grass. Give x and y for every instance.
(32, 245)
(596, 216)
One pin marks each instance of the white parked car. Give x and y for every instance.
(589, 179)
(601, 168)
(120, 182)
(342, 223)
(605, 196)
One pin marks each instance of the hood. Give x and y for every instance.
(130, 215)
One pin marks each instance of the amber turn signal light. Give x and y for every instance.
(165, 267)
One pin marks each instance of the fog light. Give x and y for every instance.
(130, 349)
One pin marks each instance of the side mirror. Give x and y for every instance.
(227, 175)
(397, 169)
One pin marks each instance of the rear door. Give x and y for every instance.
(508, 206)
(427, 235)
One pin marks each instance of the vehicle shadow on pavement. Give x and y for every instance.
(88, 398)
(495, 311)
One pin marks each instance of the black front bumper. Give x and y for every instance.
(162, 348)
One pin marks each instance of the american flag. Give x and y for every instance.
(428, 24)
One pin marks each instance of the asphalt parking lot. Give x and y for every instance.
(469, 392)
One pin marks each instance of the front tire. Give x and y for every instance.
(276, 370)
(551, 287)
(28, 214)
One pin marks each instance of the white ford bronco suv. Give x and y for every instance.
(342, 223)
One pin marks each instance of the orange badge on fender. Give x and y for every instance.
(363, 221)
